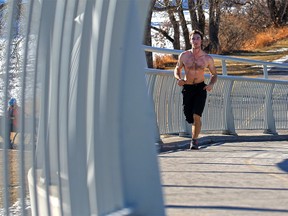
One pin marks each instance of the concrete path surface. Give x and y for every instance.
(226, 178)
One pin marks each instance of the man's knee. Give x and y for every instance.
(197, 118)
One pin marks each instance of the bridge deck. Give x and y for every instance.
(225, 178)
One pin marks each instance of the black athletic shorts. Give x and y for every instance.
(194, 98)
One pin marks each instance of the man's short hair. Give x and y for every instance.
(196, 32)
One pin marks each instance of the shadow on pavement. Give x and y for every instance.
(213, 140)
(237, 208)
(283, 165)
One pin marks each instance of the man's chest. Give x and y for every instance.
(193, 63)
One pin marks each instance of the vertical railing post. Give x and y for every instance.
(150, 78)
(265, 71)
(269, 116)
(224, 68)
(228, 112)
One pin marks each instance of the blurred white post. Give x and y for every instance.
(265, 72)
(269, 117)
(224, 67)
(96, 122)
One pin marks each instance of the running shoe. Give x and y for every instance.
(194, 144)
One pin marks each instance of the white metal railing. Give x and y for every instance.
(235, 103)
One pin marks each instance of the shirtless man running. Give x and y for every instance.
(194, 90)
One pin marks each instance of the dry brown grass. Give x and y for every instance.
(14, 178)
(266, 38)
(14, 167)
(164, 62)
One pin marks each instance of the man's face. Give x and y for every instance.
(196, 41)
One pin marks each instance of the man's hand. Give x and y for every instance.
(208, 87)
(180, 82)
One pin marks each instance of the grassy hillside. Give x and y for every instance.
(267, 46)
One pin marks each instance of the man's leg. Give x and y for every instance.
(10, 134)
(196, 127)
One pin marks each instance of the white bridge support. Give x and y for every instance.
(97, 131)
(95, 152)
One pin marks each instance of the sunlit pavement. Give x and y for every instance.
(226, 178)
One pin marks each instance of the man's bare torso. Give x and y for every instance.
(194, 66)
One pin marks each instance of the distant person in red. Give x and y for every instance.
(12, 114)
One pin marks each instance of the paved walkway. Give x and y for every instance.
(226, 177)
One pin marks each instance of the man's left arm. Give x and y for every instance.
(213, 72)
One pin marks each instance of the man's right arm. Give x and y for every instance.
(178, 68)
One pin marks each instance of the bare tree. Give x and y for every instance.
(174, 8)
(230, 22)
(197, 16)
(197, 20)
(278, 11)
(257, 15)
(14, 43)
(183, 23)
(147, 35)
(175, 25)
(214, 23)
(3, 8)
